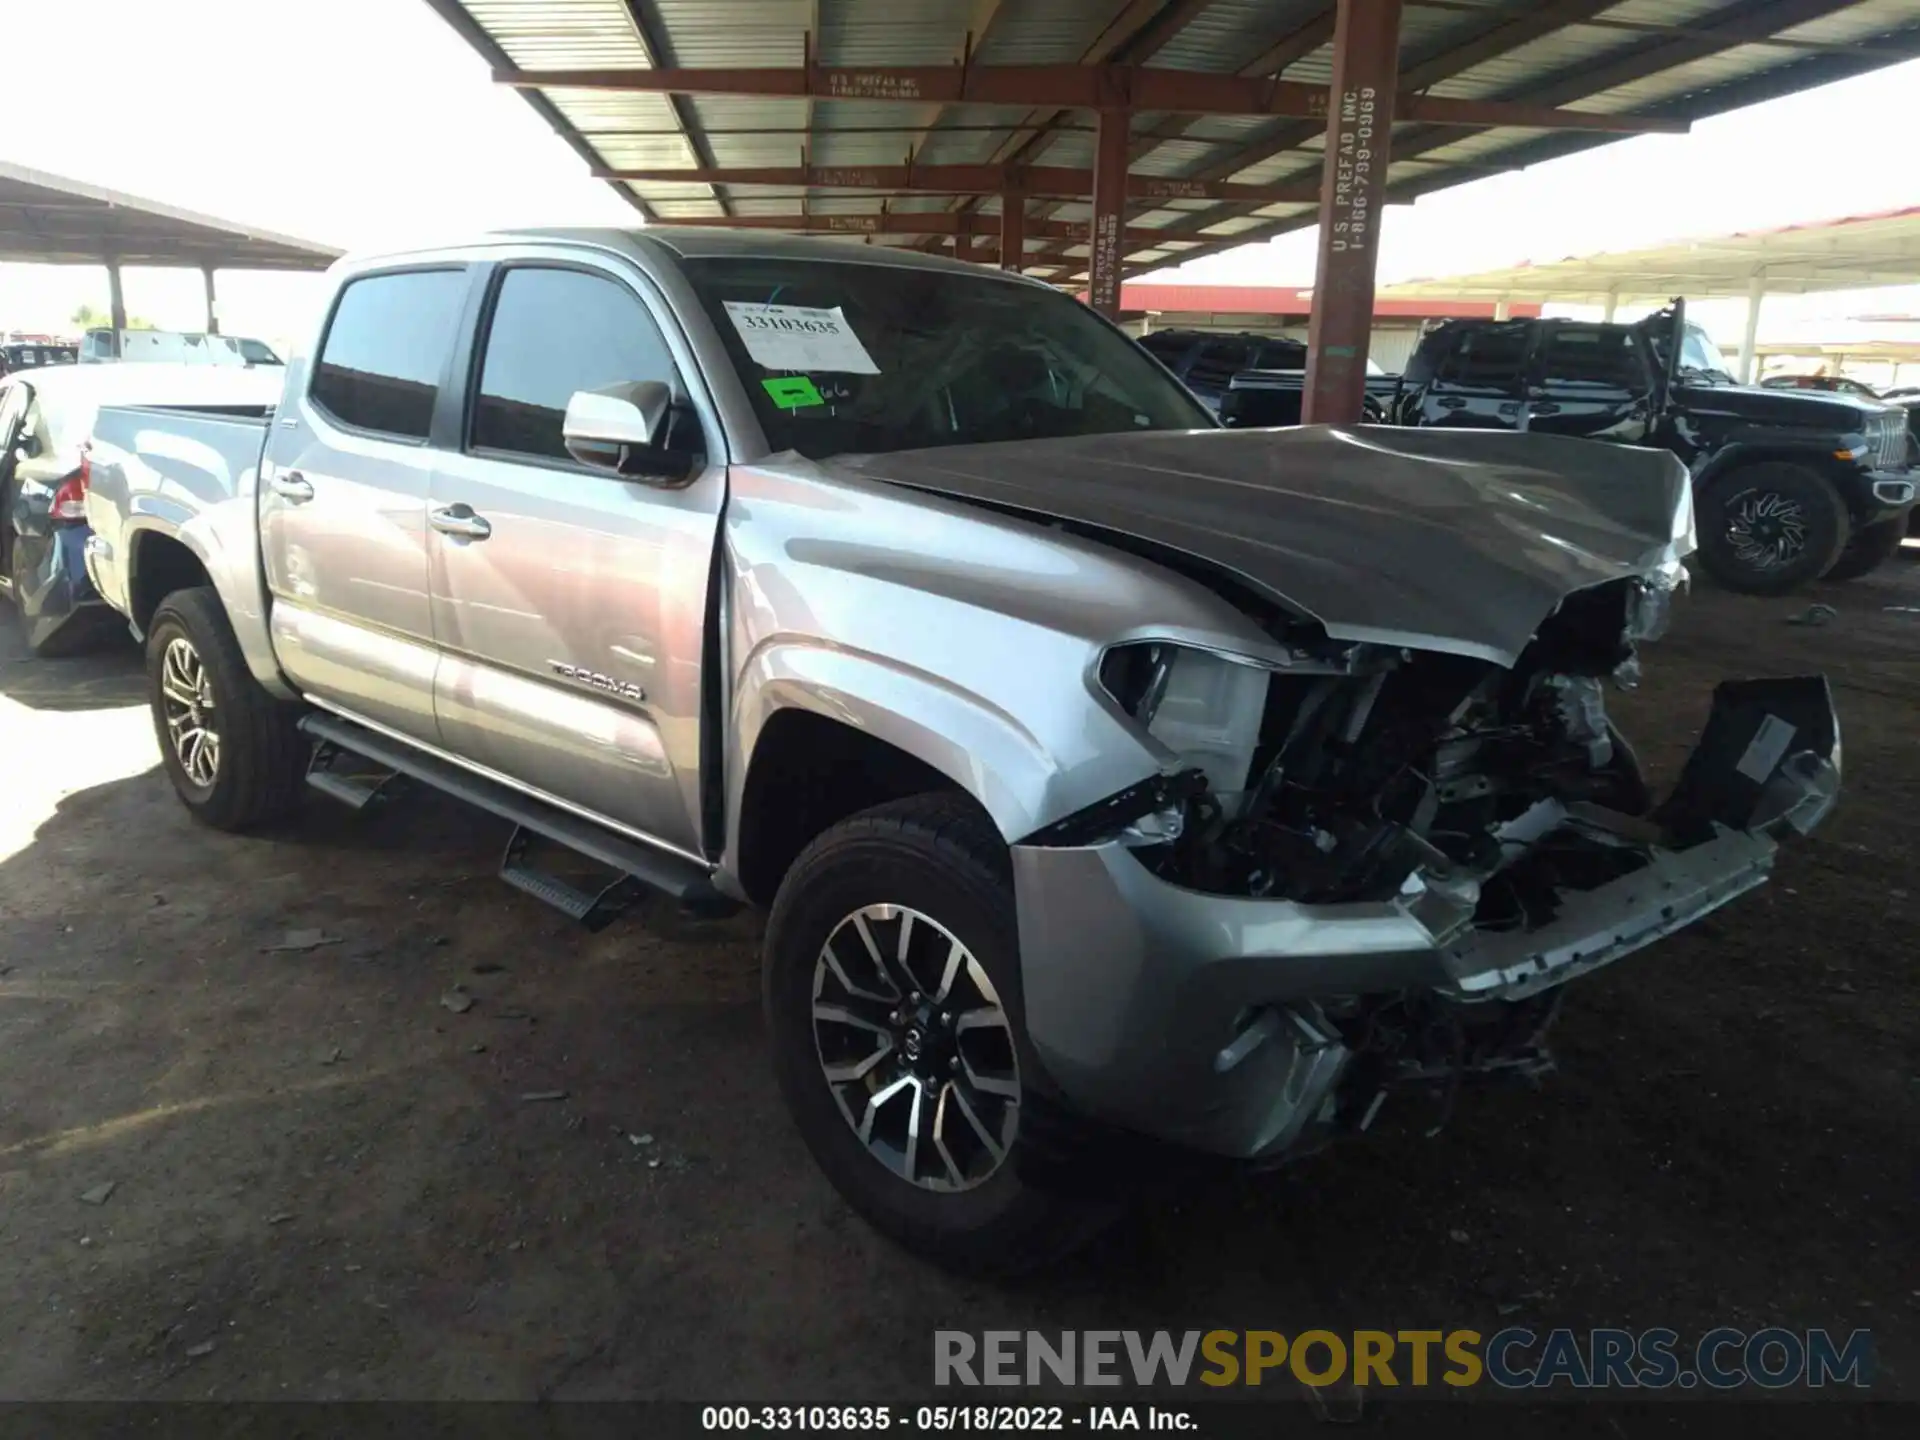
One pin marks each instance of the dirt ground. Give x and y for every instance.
(332, 1174)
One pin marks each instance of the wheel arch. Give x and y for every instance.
(813, 745)
(159, 562)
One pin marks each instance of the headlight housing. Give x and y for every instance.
(1202, 707)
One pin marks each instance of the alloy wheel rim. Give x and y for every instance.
(1767, 531)
(916, 1048)
(186, 697)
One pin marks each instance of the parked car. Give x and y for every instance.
(34, 355)
(180, 347)
(1115, 782)
(45, 418)
(1832, 384)
(1790, 486)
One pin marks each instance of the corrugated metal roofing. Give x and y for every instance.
(1667, 58)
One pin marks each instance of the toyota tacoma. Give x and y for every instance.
(1111, 779)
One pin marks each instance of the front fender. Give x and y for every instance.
(1813, 451)
(1020, 781)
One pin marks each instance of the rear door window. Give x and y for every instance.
(1592, 357)
(1488, 358)
(385, 349)
(554, 332)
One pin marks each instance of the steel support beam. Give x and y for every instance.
(917, 222)
(116, 303)
(1043, 181)
(1013, 231)
(1081, 87)
(1109, 211)
(1613, 304)
(1750, 339)
(213, 308)
(1366, 65)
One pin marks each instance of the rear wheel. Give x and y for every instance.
(1769, 528)
(232, 751)
(893, 1005)
(1868, 549)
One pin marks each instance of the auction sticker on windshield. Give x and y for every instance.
(796, 337)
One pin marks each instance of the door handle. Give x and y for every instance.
(460, 522)
(293, 487)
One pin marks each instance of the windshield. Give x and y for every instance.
(1700, 356)
(841, 357)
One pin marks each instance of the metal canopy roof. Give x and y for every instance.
(56, 221)
(1853, 253)
(825, 103)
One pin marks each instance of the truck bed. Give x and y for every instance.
(184, 475)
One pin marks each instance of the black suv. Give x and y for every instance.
(1789, 485)
(1206, 361)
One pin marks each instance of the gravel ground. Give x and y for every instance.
(334, 1172)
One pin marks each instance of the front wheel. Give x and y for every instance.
(233, 752)
(893, 1005)
(1769, 528)
(1870, 547)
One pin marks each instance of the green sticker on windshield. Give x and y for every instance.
(791, 392)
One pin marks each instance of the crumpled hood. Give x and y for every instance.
(1450, 540)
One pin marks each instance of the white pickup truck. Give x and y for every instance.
(1114, 780)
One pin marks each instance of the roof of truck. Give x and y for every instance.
(699, 243)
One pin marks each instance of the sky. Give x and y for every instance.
(406, 138)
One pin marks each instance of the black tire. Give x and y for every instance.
(1796, 496)
(1868, 548)
(937, 855)
(259, 768)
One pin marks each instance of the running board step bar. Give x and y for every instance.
(635, 864)
(345, 776)
(595, 909)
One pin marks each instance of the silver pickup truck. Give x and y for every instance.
(1119, 786)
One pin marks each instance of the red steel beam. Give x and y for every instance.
(911, 222)
(1082, 87)
(1109, 210)
(1366, 63)
(1050, 181)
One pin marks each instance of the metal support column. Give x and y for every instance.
(1353, 182)
(116, 303)
(1613, 304)
(1013, 230)
(1756, 292)
(1503, 308)
(213, 309)
(1109, 211)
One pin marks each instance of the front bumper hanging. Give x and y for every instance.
(1202, 1019)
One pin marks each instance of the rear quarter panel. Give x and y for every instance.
(190, 477)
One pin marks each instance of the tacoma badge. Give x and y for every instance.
(593, 679)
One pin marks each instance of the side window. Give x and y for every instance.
(554, 332)
(379, 367)
(1488, 356)
(1590, 356)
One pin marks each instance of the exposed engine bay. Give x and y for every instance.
(1396, 766)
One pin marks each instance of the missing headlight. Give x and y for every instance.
(1204, 708)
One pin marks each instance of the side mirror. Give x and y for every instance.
(623, 428)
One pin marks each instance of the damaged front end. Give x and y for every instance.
(1375, 866)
